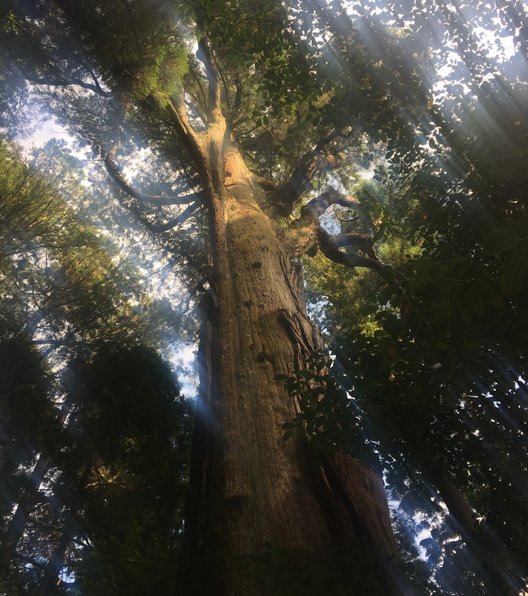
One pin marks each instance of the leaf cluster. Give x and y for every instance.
(326, 416)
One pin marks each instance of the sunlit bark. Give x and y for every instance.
(253, 490)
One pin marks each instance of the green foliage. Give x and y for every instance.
(326, 416)
(37, 225)
(88, 447)
(160, 75)
(436, 356)
(130, 432)
(262, 44)
(28, 418)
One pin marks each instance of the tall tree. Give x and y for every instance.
(253, 117)
(256, 489)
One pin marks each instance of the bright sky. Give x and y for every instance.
(40, 128)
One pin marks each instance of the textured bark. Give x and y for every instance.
(251, 489)
(362, 505)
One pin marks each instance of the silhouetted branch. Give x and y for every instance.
(309, 164)
(160, 200)
(73, 82)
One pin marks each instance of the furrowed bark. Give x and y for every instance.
(269, 493)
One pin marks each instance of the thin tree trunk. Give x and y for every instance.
(51, 582)
(17, 523)
(490, 552)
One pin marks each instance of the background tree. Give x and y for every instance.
(85, 404)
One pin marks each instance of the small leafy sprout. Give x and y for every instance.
(324, 413)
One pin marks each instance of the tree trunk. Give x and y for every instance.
(17, 523)
(255, 495)
(492, 556)
(52, 582)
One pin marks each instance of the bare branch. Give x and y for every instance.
(96, 81)
(305, 235)
(203, 102)
(316, 207)
(163, 201)
(123, 185)
(179, 111)
(353, 239)
(176, 221)
(238, 97)
(192, 139)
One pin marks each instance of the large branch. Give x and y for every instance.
(329, 246)
(157, 228)
(309, 164)
(316, 207)
(305, 235)
(95, 87)
(353, 239)
(206, 56)
(195, 142)
(163, 201)
(197, 77)
(176, 221)
(189, 135)
(117, 176)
